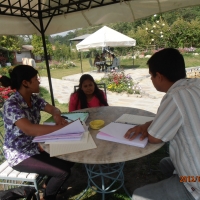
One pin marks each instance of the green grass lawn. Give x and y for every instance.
(190, 61)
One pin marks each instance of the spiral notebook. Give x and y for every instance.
(70, 116)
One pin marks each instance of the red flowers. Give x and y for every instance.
(5, 93)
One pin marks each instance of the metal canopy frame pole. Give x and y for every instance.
(42, 31)
(133, 55)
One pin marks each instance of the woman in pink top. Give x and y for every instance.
(88, 95)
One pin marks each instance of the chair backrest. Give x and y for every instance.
(100, 85)
(1, 137)
(118, 61)
(2, 158)
(90, 61)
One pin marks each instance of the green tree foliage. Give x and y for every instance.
(180, 34)
(181, 29)
(38, 45)
(63, 52)
(187, 14)
(10, 42)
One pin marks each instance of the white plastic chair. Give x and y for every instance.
(11, 177)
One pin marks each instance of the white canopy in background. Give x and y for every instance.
(105, 37)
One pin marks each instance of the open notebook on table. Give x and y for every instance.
(115, 131)
(71, 116)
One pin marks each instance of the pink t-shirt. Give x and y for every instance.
(94, 102)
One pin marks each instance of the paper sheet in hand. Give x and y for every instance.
(136, 142)
(133, 119)
(84, 139)
(60, 149)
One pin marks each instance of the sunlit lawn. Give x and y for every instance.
(190, 61)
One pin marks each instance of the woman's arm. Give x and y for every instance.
(73, 102)
(35, 129)
(56, 113)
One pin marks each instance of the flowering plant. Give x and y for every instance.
(119, 82)
(5, 93)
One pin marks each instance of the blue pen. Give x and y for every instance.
(67, 118)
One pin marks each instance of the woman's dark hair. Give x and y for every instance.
(20, 73)
(169, 62)
(97, 92)
(5, 81)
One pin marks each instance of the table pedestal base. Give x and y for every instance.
(106, 179)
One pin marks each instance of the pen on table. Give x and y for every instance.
(67, 118)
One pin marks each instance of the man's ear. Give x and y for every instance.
(159, 76)
(25, 83)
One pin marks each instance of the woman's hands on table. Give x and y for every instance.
(132, 133)
(59, 120)
(56, 113)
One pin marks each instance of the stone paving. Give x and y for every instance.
(149, 100)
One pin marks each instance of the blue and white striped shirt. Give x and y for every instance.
(178, 121)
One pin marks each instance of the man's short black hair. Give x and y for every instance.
(169, 62)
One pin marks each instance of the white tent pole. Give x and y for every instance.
(133, 55)
(81, 63)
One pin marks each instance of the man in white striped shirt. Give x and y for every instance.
(177, 121)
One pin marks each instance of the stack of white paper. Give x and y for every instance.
(73, 131)
(115, 132)
(72, 138)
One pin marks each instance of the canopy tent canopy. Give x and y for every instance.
(105, 37)
(20, 17)
(80, 38)
(45, 17)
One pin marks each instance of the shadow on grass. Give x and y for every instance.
(136, 173)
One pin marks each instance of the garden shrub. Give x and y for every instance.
(5, 93)
(53, 64)
(119, 82)
(5, 70)
(41, 65)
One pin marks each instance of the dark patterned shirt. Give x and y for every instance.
(17, 145)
